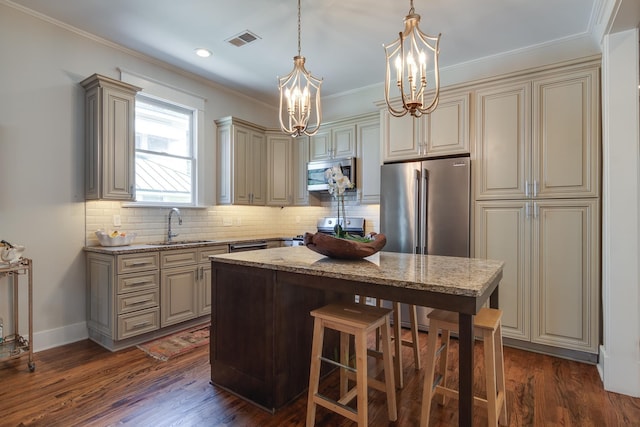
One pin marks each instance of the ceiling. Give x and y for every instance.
(341, 39)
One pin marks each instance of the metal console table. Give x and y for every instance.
(14, 345)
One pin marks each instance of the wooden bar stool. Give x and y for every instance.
(487, 324)
(357, 320)
(397, 340)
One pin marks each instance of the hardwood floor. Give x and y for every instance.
(82, 384)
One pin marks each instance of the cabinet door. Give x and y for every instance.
(178, 295)
(565, 274)
(204, 290)
(566, 135)
(110, 139)
(343, 141)
(320, 147)
(225, 169)
(279, 170)
(502, 231)
(241, 165)
(503, 141)
(368, 169)
(101, 275)
(300, 160)
(401, 136)
(448, 126)
(257, 169)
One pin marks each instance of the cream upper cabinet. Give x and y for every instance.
(279, 169)
(401, 136)
(368, 162)
(110, 139)
(566, 135)
(333, 141)
(503, 135)
(539, 138)
(447, 128)
(242, 165)
(443, 132)
(550, 286)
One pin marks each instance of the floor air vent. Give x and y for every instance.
(243, 38)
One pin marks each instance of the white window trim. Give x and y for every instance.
(163, 91)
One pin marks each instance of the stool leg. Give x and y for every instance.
(388, 371)
(361, 378)
(500, 376)
(444, 363)
(490, 376)
(344, 360)
(413, 315)
(427, 387)
(314, 372)
(397, 342)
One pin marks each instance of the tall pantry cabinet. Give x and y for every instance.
(537, 192)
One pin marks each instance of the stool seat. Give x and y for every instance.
(355, 320)
(486, 324)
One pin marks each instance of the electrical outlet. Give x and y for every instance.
(227, 222)
(239, 221)
(116, 221)
(297, 219)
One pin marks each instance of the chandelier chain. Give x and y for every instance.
(299, 27)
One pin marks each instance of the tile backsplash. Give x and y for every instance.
(218, 222)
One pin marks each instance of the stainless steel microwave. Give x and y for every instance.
(316, 180)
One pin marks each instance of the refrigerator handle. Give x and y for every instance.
(425, 210)
(416, 201)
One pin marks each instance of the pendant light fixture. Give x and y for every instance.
(409, 55)
(299, 97)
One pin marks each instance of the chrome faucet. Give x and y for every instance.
(170, 234)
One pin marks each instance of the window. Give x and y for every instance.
(165, 152)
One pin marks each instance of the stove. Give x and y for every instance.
(352, 225)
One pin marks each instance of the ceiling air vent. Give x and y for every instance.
(243, 38)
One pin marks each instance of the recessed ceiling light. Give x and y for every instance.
(203, 53)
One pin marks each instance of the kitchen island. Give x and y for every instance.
(261, 328)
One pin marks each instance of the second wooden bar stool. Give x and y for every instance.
(486, 324)
(357, 320)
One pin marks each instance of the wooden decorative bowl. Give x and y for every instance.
(334, 247)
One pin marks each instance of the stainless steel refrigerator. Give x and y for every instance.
(425, 208)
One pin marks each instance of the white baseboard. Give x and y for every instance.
(44, 340)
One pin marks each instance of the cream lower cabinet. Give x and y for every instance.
(131, 297)
(123, 296)
(185, 276)
(550, 289)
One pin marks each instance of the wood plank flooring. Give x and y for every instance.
(82, 384)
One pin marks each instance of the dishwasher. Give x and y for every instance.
(247, 246)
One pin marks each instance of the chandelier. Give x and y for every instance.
(299, 97)
(409, 54)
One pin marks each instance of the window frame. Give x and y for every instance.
(194, 149)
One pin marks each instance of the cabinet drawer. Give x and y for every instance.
(138, 282)
(138, 322)
(137, 262)
(136, 301)
(203, 254)
(178, 258)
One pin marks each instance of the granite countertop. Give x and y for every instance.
(154, 247)
(450, 275)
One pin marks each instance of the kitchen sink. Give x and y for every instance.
(182, 242)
